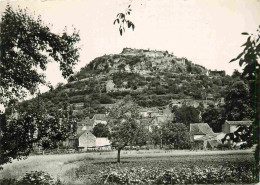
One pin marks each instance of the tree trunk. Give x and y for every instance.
(118, 155)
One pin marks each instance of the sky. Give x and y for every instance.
(207, 32)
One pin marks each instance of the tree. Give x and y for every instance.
(236, 74)
(249, 58)
(23, 130)
(186, 114)
(176, 134)
(215, 117)
(155, 135)
(28, 45)
(100, 130)
(238, 104)
(125, 126)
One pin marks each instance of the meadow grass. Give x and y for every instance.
(81, 168)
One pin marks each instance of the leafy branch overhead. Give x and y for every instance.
(27, 46)
(123, 22)
(249, 57)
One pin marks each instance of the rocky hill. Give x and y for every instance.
(152, 78)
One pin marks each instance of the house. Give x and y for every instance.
(149, 112)
(217, 73)
(85, 140)
(160, 119)
(78, 106)
(127, 68)
(99, 118)
(175, 102)
(232, 126)
(110, 86)
(77, 112)
(210, 97)
(103, 143)
(82, 140)
(180, 61)
(86, 124)
(203, 136)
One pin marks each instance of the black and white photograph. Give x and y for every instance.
(133, 92)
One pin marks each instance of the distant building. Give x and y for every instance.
(86, 124)
(218, 73)
(232, 126)
(103, 143)
(127, 68)
(78, 106)
(180, 61)
(85, 140)
(110, 86)
(198, 130)
(82, 140)
(203, 136)
(99, 118)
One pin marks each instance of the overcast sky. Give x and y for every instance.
(207, 32)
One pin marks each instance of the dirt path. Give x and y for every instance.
(58, 165)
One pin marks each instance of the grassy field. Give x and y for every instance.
(83, 168)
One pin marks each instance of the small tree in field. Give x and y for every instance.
(125, 126)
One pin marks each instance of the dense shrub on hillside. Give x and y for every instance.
(105, 99)
(152, 101)
(77, 99)
(118, 94)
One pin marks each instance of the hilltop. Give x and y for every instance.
(153, 78)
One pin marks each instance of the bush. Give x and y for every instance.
(32, 178)
(105, 99)
(8, 182)
(37, 178)
(186, 174)
(224, 146)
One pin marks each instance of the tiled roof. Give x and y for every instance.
(200, 129)
(246, 123)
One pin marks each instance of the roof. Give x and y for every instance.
(79, 129)
(209, 137)
(200, 129)
(152, 109)
(80, 133)
(87, 122)
(99, 117)
(245, 123)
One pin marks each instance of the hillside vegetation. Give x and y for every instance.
(152, 78)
